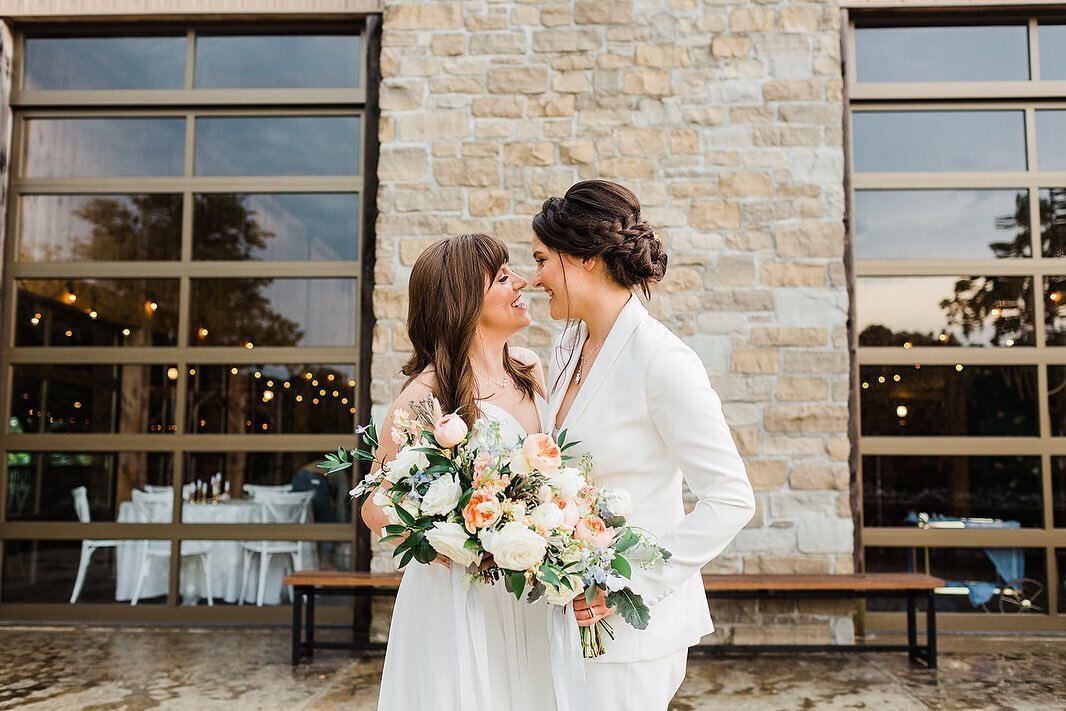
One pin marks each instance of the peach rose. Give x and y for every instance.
(569, 511)
(449, 431)
(481, 511)
(542, 452)
(592, 529)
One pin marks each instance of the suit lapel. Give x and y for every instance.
(564, 363)
(628, 320)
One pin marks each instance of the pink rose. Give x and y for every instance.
(450, 430)
(481, 511)
(542, 452)
(569, 511)
(592, 529)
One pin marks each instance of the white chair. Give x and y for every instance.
(186, 490)
(88, 547)
(251, 489)
(277, 507)
(158, 508)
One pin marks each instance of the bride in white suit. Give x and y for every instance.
(639, 400)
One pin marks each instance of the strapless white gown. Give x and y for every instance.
(454, 647)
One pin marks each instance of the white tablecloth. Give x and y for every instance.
(226, 559)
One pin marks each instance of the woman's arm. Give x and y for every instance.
(687, 413)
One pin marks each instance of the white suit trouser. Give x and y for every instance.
(635, 686)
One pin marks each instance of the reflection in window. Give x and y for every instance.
(982, 580)
(273, 312)
(278, 145)
(104, 63)
(1053, 222)
(272, 399)
(920, 54)
(277, 61)
(986, 487)
(65, 399)
(944, 311)
(892, 141)
(1051, 140)
(948, 401)
(41, 484)
(96, 312)
(99, 147)
(93, 228)
(942, 224)
(248, 473)
(1052, 52)
(1058, 492)
(1056, 385)
(276, 226)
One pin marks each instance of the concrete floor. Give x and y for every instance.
(81, 667)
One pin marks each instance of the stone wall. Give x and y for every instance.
(726, 120)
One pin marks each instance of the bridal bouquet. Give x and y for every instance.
(518, 511)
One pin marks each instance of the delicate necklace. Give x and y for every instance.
(501, 383)
(581, 362)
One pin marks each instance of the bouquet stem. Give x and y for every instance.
(592, 644)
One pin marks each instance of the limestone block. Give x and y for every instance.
(745, 184)
(448, 44)
(774, 336)
(641, 141)
(407, 163)
(529, 154)
(828, 477)
(640, 168)
(662, 56)
(755, 360)
(568, 40)
(473, 172)
(805, 418)
(570, 82)
(575, 152)
(766, 474)
(724, 46)
(648, 83)
(751, 19)
(810, 239)
(488, 202)
(424, 16)
(792, 90)
(786, 565)
(790, 274)
(713, 214)
(520, 80)
(432, 125)
(796, 389)
(603, 12)
(825, 535)
(799, 19)
(502, 107)
(498, 43)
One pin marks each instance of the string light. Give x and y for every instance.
(314, 383)
(68, 334)
(125, 332)
(77, 405)
(351, 410)
(249, 345)
(351, 383)
(71, 296)
(901, 411)
(942, 337)
(299, 398)
(958, 367)
(908, 344)
(93, 313)
(322, 393)
(192, 371)
(1056, 296)
(335, 393)
(330, 377)
(232, 371)
(308, 376)
(35, 320)
(258, 375)
(287, 385)
(896, 377)
(865, 386)
(881, 379)
(315, 401)
(268, 395)
(202, 332)
(344, 401)
(172, 373)
(270, 383)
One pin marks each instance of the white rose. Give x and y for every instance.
(442, 497)
(406, 458)
(519, 463)
(449, 539)
(515, 546)
(545, 493)
(547, 516)
(563, 594)
(570, 513)
(619, 501)
(567, 481)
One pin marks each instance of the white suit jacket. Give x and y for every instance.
(649, 417)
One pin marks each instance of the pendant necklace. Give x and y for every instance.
(581, 362)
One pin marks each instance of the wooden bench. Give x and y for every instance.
(910, 586)
(306, 584)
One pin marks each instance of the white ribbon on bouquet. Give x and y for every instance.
(567, 661)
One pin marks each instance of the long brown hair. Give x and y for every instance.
(445, 296)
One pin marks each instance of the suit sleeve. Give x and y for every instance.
(687, 413)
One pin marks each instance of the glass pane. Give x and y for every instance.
(1053, 222)
(66, 399)
(248, 476)
(1051, 140)
(277, 61)
(273, 312)
(235, 568)
(944, 311)
(1058, 493)
(105, 63)
(948, 401)
(98, 147)
(981, 580)
(271, 399)
(895, 489)
(1056, 384)
(287, 145)
(909, 54)
(1052, 40)
(893, 141)
(47, 572)
(272, 226)
(61, 228)
(1055, 310)
(942, 224)
(96, 312)
(43, 486)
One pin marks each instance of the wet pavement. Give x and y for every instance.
(132, 668)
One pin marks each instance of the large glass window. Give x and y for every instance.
(959, 227)
(185, 266)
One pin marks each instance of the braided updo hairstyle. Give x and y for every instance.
(598, 218)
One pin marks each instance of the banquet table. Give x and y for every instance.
(226, 559)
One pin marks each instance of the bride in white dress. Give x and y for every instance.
(454, 647)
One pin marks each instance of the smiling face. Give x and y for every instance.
(503, 310)
(562, 277)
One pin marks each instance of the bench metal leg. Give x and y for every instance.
(309, 636)
(930, 630)
(297, 609)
